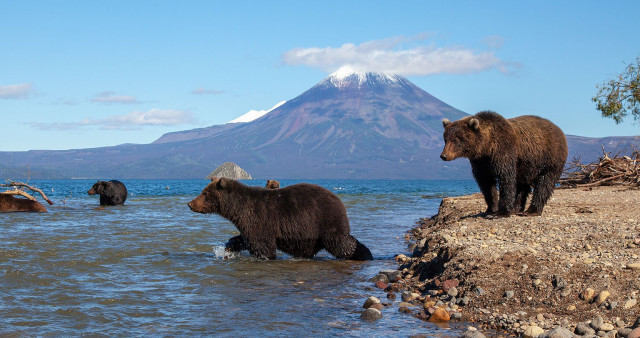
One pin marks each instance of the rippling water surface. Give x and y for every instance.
(153, 267)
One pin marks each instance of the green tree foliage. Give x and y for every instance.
(620, 97)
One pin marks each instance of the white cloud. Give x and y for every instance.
(110, 97)
(133, 120)
(16, 91)
(388, 56)
(204, 91)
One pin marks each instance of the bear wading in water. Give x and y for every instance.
(9, 203)
(518, 155)
(111, 192)
(272, 184)
(299, 219)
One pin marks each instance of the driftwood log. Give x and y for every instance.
(616, 170)
(17, 188)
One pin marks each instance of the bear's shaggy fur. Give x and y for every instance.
(518, 154)
(299, 219)
(111, 193)
(9, 203)
(272, 184)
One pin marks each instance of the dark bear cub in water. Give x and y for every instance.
(299, 219)
(111, 192)
(9, 203)
(518, 154)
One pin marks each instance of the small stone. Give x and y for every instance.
(448, 284)
(440, 315)
(587, 294)
(391, 296)
(633, 266)
(558, 332)
(536, 282)
(596, 323)
(635, 333)
(630, 303)
(473, 334)
(624, 332)
(401, 258)
(478, 291)
(571, 308)
(381, 285)
(453, 291)
(584, 330)
(371, 314)
(464, 301)
(405, 304)
(370, 301)
(409, 296)
(606, 327)
(508, 294)
(602, 296)
(380, 278)
(532, 331)
(392, 275)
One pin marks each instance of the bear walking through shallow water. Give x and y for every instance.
(516, 155)
(111, 193)
(299, 219)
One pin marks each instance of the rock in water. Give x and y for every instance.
(229, 170)
(371, 314)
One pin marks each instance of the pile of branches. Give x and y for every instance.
(616, 170)
(18, 188)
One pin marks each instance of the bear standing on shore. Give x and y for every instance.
(111, 192)
(515, 154)
(300, 219)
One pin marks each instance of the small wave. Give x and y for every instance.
(220, 252)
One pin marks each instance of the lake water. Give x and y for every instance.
(152, 267)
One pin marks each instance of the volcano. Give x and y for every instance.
(351, 125)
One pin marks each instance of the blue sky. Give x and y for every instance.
(80, 74)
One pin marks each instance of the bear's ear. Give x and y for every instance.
(445, 122)
(474, 124)
(221, 183)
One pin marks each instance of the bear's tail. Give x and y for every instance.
(361, 253)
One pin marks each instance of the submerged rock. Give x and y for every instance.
(371, 314)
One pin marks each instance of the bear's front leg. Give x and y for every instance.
(507, 192)
(236, 244)
(487, 182)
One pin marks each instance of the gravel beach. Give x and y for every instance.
(575, 270)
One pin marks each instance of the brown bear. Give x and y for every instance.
(299, 219)
(272, 184)
(9, 203)
(111, 193)
(518, 154)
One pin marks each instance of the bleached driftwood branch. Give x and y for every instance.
(18, 191)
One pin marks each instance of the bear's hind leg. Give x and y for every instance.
(522, 192)
(542, 191)
(347, 247)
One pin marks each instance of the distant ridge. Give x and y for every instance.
(350, 125)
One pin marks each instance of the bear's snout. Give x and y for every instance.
(443, 157)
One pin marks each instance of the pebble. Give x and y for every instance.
(633, 266)
(606, 327)
(479, 291)
(473, 334)
(370, 301)
(453, 291)
(596, 323)
(583, 329)
(532, 331)
(587, 294)
(558, 332)
(371, 314)
(635, 333)
(440, 315)
(392, 275)
(602, 296)
(409, 296)
(630, 303)
(509, 294)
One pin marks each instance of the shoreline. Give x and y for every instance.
(573, 270)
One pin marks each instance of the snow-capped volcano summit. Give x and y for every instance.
(349, 76)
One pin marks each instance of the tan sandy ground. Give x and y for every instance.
(585, 238)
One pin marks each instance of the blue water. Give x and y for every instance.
(153, 267)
